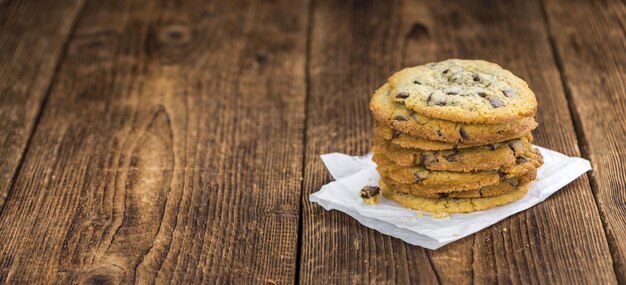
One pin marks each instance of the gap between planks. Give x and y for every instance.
(44, 100)
(307, 79)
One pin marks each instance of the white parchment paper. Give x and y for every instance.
(351, 173)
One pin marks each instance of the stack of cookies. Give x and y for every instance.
(454, 136)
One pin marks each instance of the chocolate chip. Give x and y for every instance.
(501, 174)
(421, 175)
(369, 191)
(482, 94)
(495, 102)
(446, 71)
(520, 160)
(417, 82)
(476, 77)
(428, 159)
(464, 134)
(400, 118)
(452, 156)
(513, 182)
(517, 146)
(436, 99)
(402, 95)
(508, 92)
(490, 147)
(415, 117)
(395, 134)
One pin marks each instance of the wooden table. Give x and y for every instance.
(162, 141)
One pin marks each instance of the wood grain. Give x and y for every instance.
(590, 43)
(32, 35)
(354, 47)
(169, 151)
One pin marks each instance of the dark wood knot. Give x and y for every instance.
(100, 279)
(107, 274)
(175, 35)
(260, 57)
(418, 31)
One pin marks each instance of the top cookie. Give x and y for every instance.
(468, 91)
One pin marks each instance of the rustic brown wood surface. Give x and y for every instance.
(32, 36)
(169, 149)
(177, 142)
(591, 50)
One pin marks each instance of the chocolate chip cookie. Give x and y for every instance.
(423, 179)
(450, 205)
(487, 157)
(468, 91)
(504, 186)
(398, 117)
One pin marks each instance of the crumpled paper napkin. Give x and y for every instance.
(351, 173)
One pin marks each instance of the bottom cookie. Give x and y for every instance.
(504, 186)
(451, 205)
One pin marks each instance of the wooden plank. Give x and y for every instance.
(170, 150)
(355, 46)
(32, 34)
(590, 41)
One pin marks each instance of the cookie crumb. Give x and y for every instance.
(370, 194)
